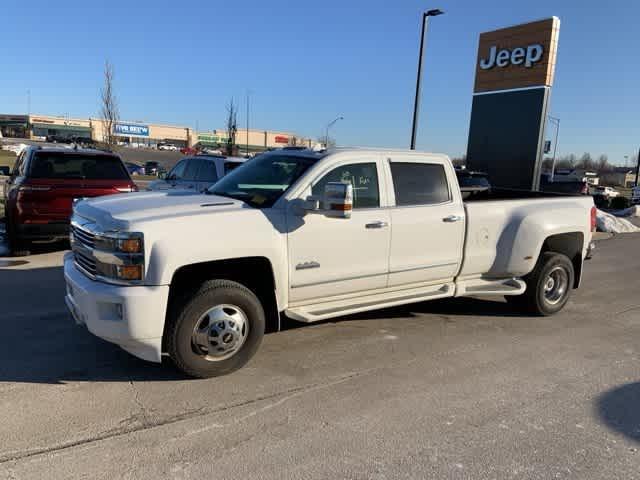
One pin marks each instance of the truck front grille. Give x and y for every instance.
(82, 245)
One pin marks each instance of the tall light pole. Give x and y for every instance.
(329, 125)
(416, 104)
(638, 168)
(555, 121)
(248, 99)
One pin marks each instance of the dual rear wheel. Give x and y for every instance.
(549, 285)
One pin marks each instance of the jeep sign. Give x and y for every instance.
(517, 57)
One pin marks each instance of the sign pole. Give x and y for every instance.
(638, 168)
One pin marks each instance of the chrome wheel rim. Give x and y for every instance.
(556, 285)
(220, 332)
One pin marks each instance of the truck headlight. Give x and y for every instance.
(113, 257)
(129, 245)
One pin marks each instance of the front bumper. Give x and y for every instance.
(131, 317)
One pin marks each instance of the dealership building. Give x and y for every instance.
(140, 134)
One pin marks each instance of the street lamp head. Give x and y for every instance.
(433, 13)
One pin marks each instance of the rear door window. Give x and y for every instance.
(207, 172)
(229, 166)
(419, 183)
(76, 166)
(191, 172)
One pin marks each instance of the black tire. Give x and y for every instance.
(187, 316)
(542, 297)
(17, 247)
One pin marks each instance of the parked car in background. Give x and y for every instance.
(189, 151)
(45, 181)
(606, 192)
(58, 139)
(151, 168)
(134, 168)
(578, 187)
(313, 236)
(196, 173)
(167, 146)
(472, 184)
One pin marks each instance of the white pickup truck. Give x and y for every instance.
(310, 235)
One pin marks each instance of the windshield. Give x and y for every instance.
(262, 180)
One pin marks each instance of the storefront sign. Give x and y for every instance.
(517, 57)
(127, 129)
(281, 139)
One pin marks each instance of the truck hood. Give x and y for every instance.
(120, 211)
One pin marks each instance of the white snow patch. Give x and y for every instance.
(609, 223)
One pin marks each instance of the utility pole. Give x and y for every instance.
(248, 98)
(329, 125)
(555, 148)
(416, 103)
(638, 168)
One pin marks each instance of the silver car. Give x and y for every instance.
(196, 173)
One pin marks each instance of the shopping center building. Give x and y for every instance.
(140, 134)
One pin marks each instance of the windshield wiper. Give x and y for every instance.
(242, 196)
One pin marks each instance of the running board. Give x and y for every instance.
(321, 311)
(480, 286)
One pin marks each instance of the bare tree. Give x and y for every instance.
(232, 127)
(602, 164)
(109, 105)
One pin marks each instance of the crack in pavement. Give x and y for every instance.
(151, 424)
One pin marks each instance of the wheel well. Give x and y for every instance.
(570, 245)
(255, 273)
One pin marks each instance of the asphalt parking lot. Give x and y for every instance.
(462, 389)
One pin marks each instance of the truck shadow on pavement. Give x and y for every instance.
(619, 409)
(42, 344)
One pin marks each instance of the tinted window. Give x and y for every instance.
(363, 177)
(419, 183)
(18, 167)
(228, 166)
(207, 172)
(64, 165)
(262, 180)
(191, 172)
(473, 181)
(177, 172)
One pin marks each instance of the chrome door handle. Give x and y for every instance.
(378, 224)
(452, 218)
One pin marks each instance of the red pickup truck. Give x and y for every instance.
(44, 182)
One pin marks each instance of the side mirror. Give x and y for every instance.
(163, 176)
(5, 171)
(338, 199)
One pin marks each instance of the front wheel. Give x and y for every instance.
(215, 331)
(549, 285)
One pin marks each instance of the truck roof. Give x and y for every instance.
(72, 150)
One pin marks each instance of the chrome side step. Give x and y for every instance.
(316, 312)
(481, 286)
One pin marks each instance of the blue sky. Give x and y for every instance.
(307, 62)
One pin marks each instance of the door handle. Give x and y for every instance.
(378, 224)
(452, 218)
